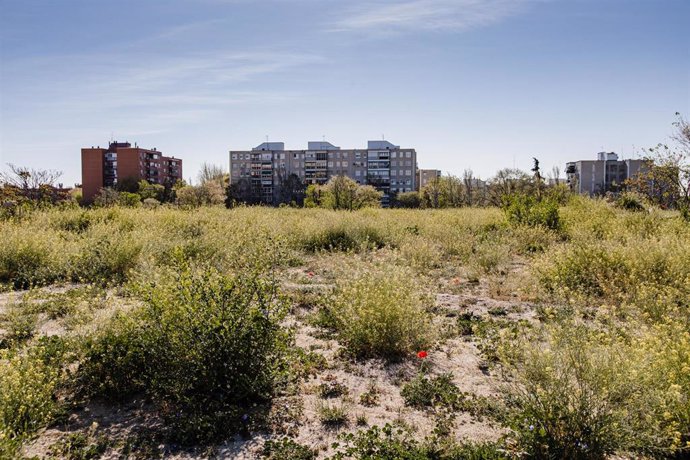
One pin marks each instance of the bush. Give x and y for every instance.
(380, 314)
(424, 392)
(527, 210)
(630, 201)
(384, 443)
(287, 449)
(107, 258)
(204, 348)
(28, 257)
(27, 402)
(574, 398)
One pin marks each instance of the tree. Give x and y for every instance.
(666, 178)
(106, 198)
(291, 190)
(312, 198)
(366, 196)
(207, 194)
(128, 184)
(410, 200)
(36, 185)
(242, 192)
(431, 193)
(154, 191)
(340, 193)
(212, 173)
(506, 182)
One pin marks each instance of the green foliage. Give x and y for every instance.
(331, 388)
(390, 443)
(333, 414)
(151, 191)
(29, 257)
(108, 259)
(129, 200)
(424, 392)
(19, 323)
(204, 347)
(343, 193)
(527, 210)
(410, 200)
(574, 398)
(287, 449)
(80, 446)
(27, 396)
(630, 201)
(379, 313)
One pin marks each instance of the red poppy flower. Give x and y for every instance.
(422, 354)
(310, 274)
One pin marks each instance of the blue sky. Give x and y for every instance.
(478, 84)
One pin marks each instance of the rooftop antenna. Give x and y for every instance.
(112, 137)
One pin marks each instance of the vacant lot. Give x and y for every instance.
(395, 333)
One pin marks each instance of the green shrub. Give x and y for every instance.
(19, 324)
(344, 238)
(107, 258)
(29, 257)
(574, 398)
(389, 443)
(204, 347)
(332, 414)
(528, 210)
(423, 392)
(380, 314)
(27, 397)
(287, 449)
(630, 201)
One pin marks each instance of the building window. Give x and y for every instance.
(330, 164)
(358, 173)
(408, 172)
(408, 154)
(394, 154)
(345, 164)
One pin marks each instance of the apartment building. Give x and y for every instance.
(425, 176)
(388, 167)
(604, 174)
(101, 167)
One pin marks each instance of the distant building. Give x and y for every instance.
(604, 174)
(389, 168)
(102, 167)
(425, 176)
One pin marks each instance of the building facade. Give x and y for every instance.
(101, 168)
(606, 173)
(425, 176)
(388, 167)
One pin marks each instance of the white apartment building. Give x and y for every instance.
(388, 167)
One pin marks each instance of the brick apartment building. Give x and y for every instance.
(387, 167)
(101, 168)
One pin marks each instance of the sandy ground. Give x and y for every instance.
(458, 356)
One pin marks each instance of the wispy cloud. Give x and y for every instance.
(428, 15)
(155, 90)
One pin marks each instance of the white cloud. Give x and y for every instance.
(402, 15)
